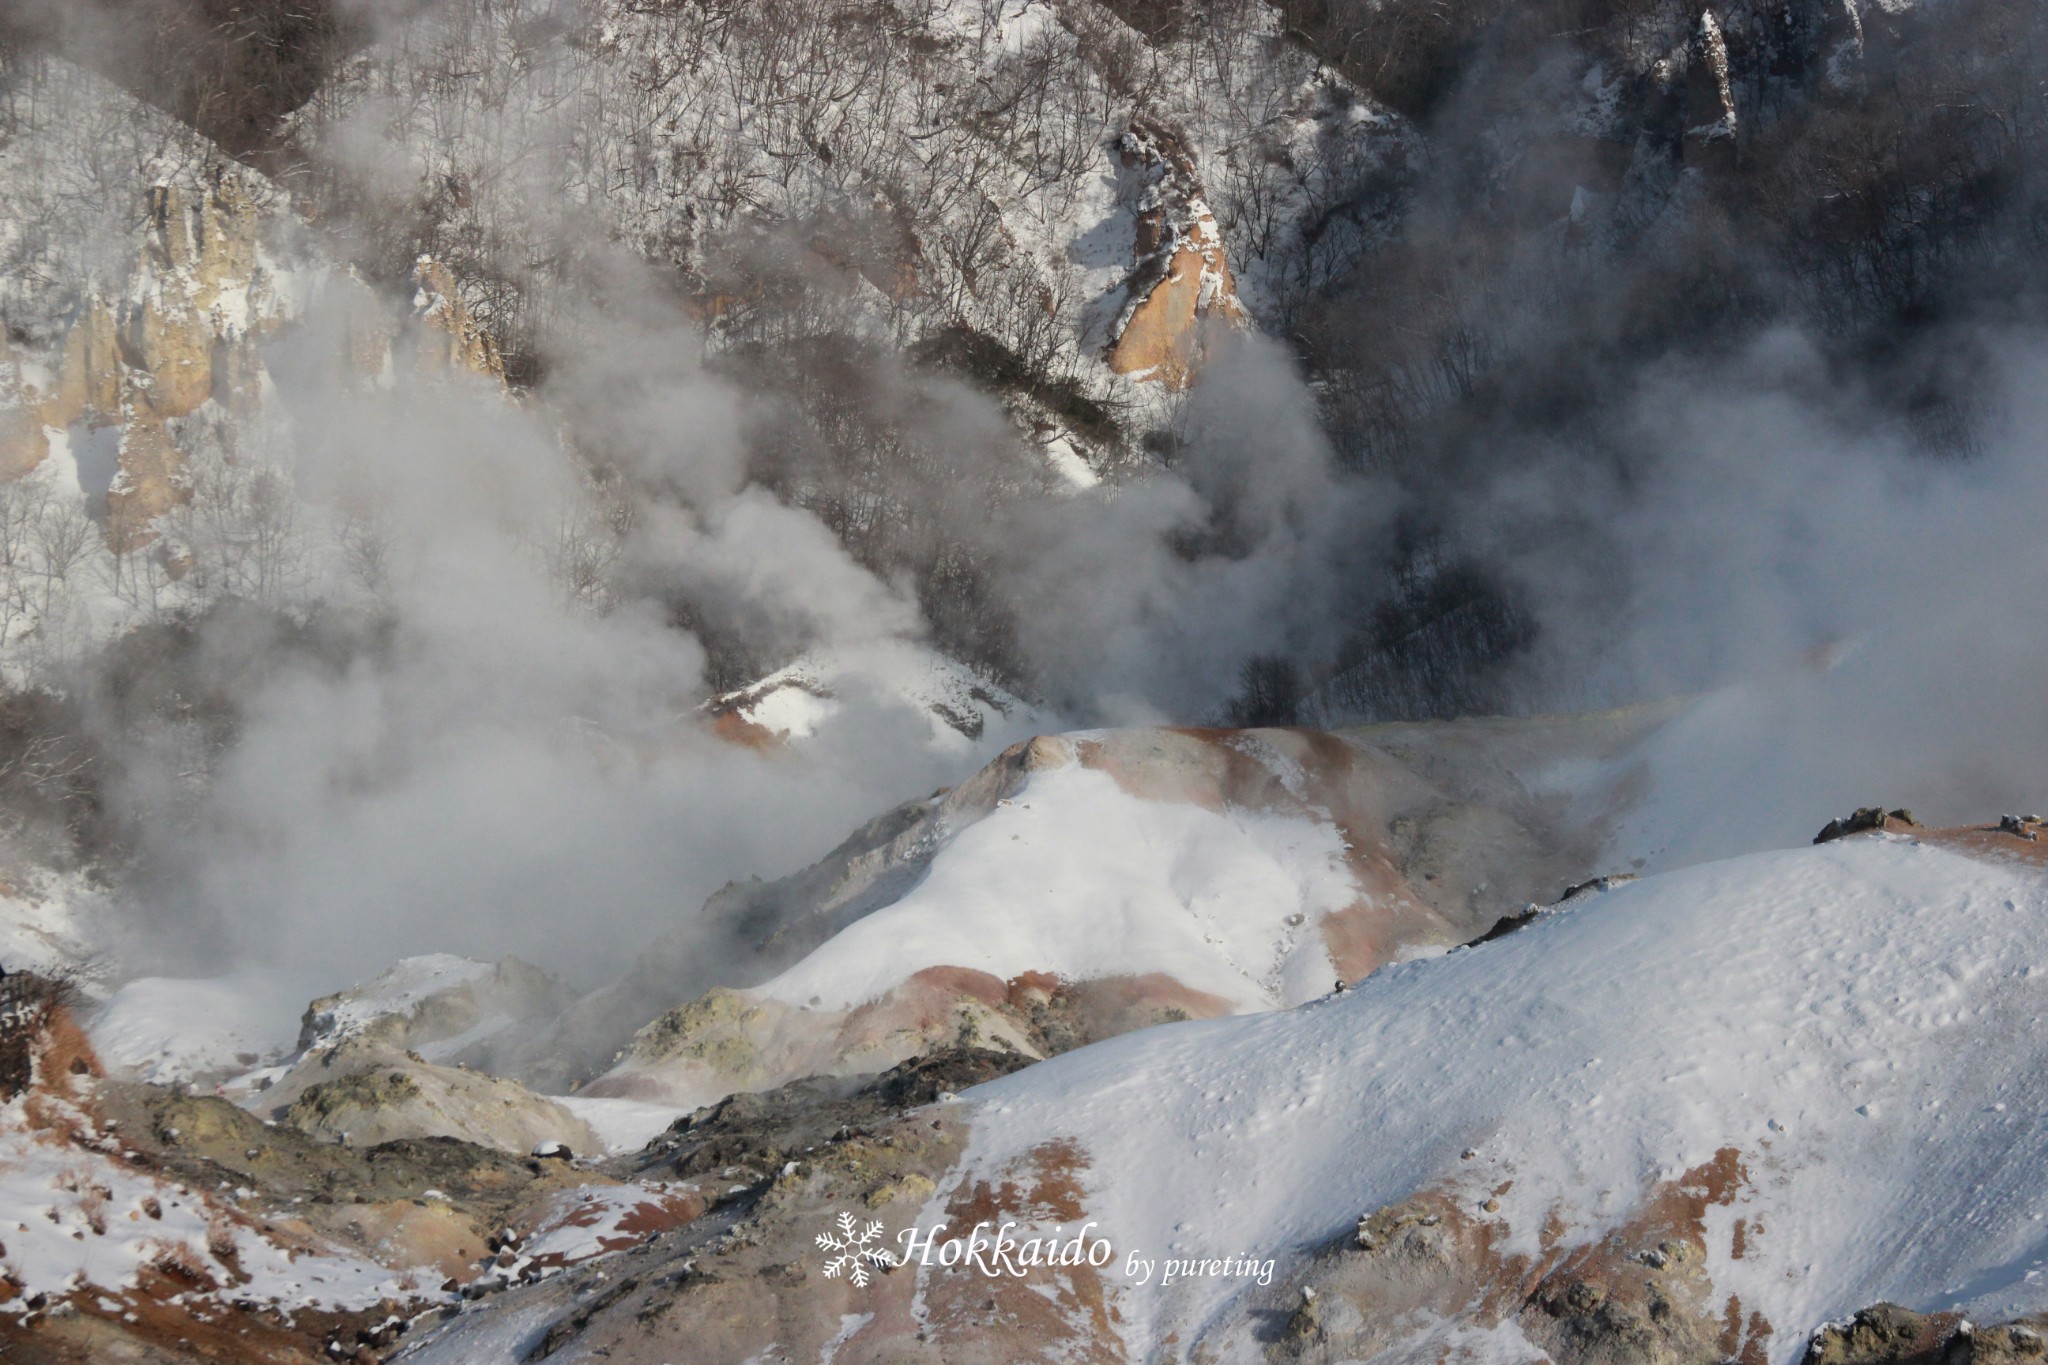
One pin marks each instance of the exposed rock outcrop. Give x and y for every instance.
(728, 1041)
(1887, 1334)
(1866, 819)
(1182, 288)
(145, 349)
(1711, 124)
(448, 339)
(179, 331)
(392, 1059)
(446, 1008)
(363, 1093)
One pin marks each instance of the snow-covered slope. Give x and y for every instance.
(1076, 877)
(84, 1213)
(84, 1219)
(1038, 175)
(1858, 1025)
(46, 923)
(1691, 1118)
(165, 1030)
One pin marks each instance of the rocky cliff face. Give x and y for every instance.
(1182, 287)
(138, 324)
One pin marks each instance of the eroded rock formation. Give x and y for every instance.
(1182, 287)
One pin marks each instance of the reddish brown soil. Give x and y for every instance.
(1076, 1321)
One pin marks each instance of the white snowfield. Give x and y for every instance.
(1863, 1021)
(621, 1125)
(1078, 877)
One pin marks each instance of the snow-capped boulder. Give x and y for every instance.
(386, 1059)
(363, 1092)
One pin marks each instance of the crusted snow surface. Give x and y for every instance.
(1076, 876)
(1860, 1020)
(599, 1219)
(621, 1125)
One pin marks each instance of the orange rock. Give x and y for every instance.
(147, 485)
(1163, 337)
(449, 338)
(1182, 287)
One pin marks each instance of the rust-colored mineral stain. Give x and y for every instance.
(1074, 1321)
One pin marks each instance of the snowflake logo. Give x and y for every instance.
(854, 1251)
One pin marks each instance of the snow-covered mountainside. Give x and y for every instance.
(1856, 1128)
(1026, 182)
(151, 286)
(1697, 1117)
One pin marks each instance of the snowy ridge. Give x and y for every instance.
(1086, 884)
